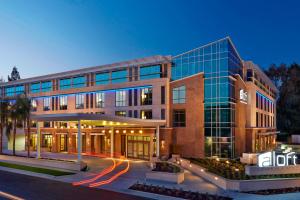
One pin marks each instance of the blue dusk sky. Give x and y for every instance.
(48, 36)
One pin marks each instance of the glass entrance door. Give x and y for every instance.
(63, 143)
(138, 147)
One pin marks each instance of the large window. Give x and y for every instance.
(63, 102)
(179, 118)
(119, 76)
(79, 99)
(100, 99)
(33, 105)
(46, 103)
(47, 86)
(10, 91)
(102, 78)
(20, 89)
(65, 84)
(146, 96)
(150, 72)
(146, 114)
(121, 98)
(179, 94)
(120, 113)
(79, 82)
(35, 87)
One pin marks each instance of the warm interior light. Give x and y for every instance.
(140, 131)
(117, 131)
(103, 131)
(132, 131)
(124, 131)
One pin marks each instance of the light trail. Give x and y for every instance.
(112, 178)
(102, 173)
(9, 196)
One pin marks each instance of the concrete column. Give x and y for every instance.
(126, 143)
(112, 142)
(38, 140)
(79, 142)
(157, 141)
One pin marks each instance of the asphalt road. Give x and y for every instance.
(28, 187)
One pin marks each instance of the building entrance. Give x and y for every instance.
(138, 147)
(63, 147)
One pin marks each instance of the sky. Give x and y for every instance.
(49, 36)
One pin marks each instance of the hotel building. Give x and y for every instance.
(202, 103)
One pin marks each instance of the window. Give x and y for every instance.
(35, 87)
(135, 114)
(121, 98)
(10, 91)
(63, 102)
(150, 72)
(47, 124)
(179, 94)
(100, 99)
(135, 97)
(130, 113)
(146, 96)
(120, 113)
(79, 99)
(65, 84)
(163, 114)
(46, 86)
(179, 118)
(256, 119)
(162, 95)
(33, 105)
(119, 76)
(102, 78)
(146, 114)
(46, 103)
(129, 97)
(20, 89)
(79, 82)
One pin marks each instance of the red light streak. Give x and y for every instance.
(102, 173)
(112, 178)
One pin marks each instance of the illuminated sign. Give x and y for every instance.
(243, 96)
(270, 159)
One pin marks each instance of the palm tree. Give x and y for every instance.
(24, 110)
(20, 115)
(3, 120)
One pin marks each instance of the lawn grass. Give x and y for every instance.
(52, 172)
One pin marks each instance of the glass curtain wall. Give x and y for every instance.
(219, 61)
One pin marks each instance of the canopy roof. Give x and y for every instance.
(99, 120)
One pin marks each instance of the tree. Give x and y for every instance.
(14, 75)
(287, 80)
(24, 111)
(3, 120)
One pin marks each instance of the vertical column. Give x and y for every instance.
(157, 141)
(79, 142)
(126, 143)
(38, 140)
(112, 142)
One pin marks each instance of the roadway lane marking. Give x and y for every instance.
(9, 196)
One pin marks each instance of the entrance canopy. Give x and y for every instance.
(99, 120)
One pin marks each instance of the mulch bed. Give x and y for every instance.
(176, 192)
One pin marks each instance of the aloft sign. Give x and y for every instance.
(274, 159)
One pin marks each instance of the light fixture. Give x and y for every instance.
(201, 170)
(118, 123)
(110, 123)
(190, 165)
(216, 178)
(117, 131)
(124, 131)
(132, 131)
(103, 131)
(140, 131)
(109, 131)
(90, 127)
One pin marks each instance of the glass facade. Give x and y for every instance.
(150, 72)
(79, 82)
(20, 89)
(178, 94)
(47, 86)
(218, 61)
(10, 91)
(102, 78)
(146, 114)
(119, 76)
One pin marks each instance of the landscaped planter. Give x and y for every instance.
(168, 176)
(240, 185)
